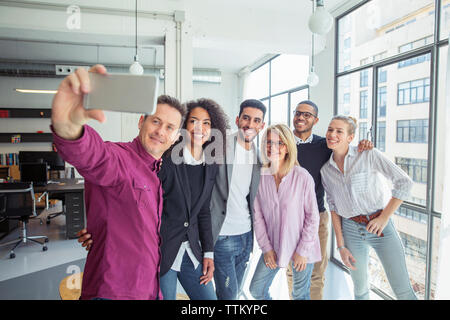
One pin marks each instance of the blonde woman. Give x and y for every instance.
(286, 217)
(360, 210)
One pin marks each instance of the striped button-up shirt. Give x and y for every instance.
(360, 189)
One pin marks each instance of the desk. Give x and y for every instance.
(73, 193)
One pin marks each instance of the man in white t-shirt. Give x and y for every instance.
(232, 201)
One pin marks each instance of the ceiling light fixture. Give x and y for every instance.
(136, 67)
(321, 20)
(313, 78)
(36, 91)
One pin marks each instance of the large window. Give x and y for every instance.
(396, 39)
(415, 131)
(382, 100)
(415, 168)
(363, 104)
(278, 87)
(415, 91)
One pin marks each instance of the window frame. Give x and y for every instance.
(433, 50)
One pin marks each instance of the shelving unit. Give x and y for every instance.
(26, 137)
(15, 113)
(25, 113)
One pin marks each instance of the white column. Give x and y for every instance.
(178, 59)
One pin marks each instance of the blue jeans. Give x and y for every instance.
(263, 277)
(389, 250)
(189, 279)
(231, 255)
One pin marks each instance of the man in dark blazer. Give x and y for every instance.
(232, 199)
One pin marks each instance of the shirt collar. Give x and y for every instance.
(300, 141)
(189, 159)
(352, 151)
(154, 164)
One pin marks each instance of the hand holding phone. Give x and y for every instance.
(83, 95)
(122, 92)
(68, 112)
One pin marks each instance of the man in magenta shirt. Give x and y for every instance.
(122, 191)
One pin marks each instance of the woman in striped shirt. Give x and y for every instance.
(286, 217)
(361, 208)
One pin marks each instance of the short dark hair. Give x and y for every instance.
(252, 103)
(174, 103)
(310, 103)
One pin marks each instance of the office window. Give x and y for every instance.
(381, 136)
(364, 78)
(415, 168)
(362, 130)
(278, 87)
(381, 101)
(415, 60)
(441, 131)
(347, 97)
(279, 109)
(381, 23)
(382, 75)
(347, 43)
(414, 131)
(415, 91)
(288, 71)
(412, 214)
(414, 45)
(382, 29)
(363, 104)
(258, 82)
(350, 101)
(379, 56)
(445, 19)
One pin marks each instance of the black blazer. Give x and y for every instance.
(181, 217)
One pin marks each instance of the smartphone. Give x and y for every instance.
(122, 92)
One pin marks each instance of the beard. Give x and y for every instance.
(244, 137)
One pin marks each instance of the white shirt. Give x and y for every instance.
(185, 246)
(300, 141)
(237, 220)
(360, 190)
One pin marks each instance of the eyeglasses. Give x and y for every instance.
(278, 143)
(306, 115)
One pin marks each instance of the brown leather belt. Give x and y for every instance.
(364, 219)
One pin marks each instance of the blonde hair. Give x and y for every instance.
(351, 122)
(287, 137)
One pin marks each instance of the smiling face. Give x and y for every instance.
(305, 118)
(338, 135)
(198, 124)
(276, 149)
(250, 123)
(159, 131)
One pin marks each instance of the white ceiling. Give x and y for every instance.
(227, 35)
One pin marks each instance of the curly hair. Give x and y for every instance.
(219, 120)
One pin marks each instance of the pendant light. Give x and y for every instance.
(313, 78)
(136, 67)
(321, 20)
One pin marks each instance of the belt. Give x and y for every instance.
(364, 219)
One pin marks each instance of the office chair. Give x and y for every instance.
(17, 202)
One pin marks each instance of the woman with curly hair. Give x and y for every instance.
(187, 176)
